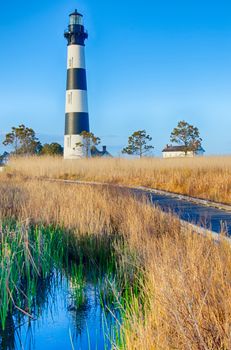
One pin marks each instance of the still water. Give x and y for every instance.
(58, 323)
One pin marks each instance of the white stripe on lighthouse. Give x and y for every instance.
(75, 56)
(76, 101)
(70, 149)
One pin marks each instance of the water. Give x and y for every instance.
(59, 322)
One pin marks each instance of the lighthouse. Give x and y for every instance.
(76, 109)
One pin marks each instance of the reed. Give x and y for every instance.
(174, 291)
(25, 261)
(32, 255)
(204, 177)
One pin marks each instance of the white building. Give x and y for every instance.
(179, 151)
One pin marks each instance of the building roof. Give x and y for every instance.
(96, 153)
(171, 148)
(4, 158)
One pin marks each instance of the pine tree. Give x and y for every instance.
(186, 135)
(138, 144)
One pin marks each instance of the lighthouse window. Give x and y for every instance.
(75, 19)
(69, 98)
(71, 62)
(68, 142)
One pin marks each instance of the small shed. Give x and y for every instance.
(171, 151)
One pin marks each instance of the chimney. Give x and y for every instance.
(104, 149)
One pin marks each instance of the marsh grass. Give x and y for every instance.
(203, 177)
(78, 285)
(32, 255)
(28, 256)
(172, 286)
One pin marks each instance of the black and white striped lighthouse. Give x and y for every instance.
(76, 112)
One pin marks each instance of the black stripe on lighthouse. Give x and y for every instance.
(76, 122)
(76, 79)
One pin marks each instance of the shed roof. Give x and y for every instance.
(171, 148)
(96, 153)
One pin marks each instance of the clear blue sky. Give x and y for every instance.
(149, 63)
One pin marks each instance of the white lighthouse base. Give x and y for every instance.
(71, 151)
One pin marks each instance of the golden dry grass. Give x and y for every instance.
(205, 177)
(187, 287)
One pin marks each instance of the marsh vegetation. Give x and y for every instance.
(170, 286)
(45, 267)
(203, 177)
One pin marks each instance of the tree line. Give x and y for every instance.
(24, 141)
